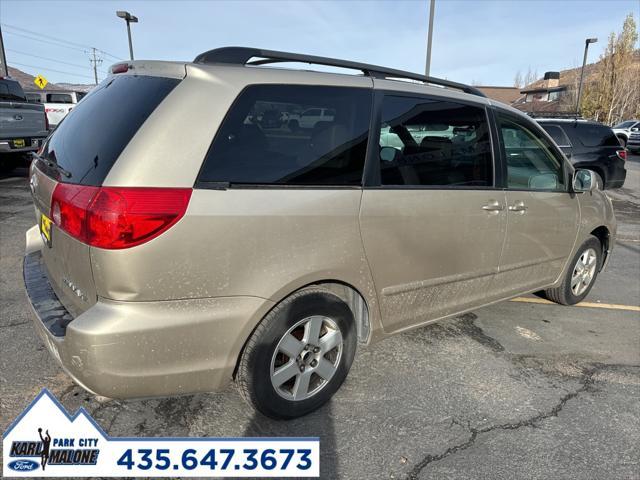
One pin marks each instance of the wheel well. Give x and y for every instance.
(352, 297)
(602, 234)
(600, 172)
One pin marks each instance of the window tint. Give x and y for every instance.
(595, 135)
(91, 137)
(59, 98)
(531, 161)
(557, 134)
(33, 97)
(80, 95)
(425, 142)
(626, 124)
(253, 148)
(11, 90)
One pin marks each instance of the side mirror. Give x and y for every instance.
(584, 181)
(388, 154)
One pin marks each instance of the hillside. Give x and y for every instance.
(26, 81)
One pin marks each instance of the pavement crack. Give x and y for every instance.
(14, 324)
(586, 385)
(466, 324)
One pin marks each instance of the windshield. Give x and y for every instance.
(91, 137)
(626, 124)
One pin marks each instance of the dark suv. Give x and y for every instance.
(590, 145)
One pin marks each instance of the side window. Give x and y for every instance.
(428, 142)
(558, 135)
(531, 161)
(59, 98)
(253, 147)
(595, 135)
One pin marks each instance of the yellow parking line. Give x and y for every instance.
(611, 306)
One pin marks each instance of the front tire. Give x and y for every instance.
(299, 355)
(580, 276)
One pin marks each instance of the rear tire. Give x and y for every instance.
(299, 355)
(580, 276)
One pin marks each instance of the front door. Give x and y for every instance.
(432, 224)
(542, 216)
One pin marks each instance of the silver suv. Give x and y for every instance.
(182, 242)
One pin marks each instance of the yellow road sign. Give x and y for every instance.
(40, 81)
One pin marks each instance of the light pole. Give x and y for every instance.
(584, 62)
(129, 19)
(432, 8)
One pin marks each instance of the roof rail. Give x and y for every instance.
(242, 55)
(543, 114)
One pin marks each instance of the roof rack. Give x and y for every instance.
(243, 55)
(543, 114)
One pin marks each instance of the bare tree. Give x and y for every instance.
(530, 77)
(517, 80)
(614, 94)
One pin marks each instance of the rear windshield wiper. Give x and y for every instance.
(52, 164)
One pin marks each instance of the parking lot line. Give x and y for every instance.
(610, 306)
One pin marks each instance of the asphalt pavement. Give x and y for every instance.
(517, 390)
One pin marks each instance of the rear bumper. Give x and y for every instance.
(31, 145)
(143, 349)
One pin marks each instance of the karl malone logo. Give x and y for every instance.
(62, 453)
(62, 442)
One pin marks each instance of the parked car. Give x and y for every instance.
(23, 126)
(161, 267)
(633, 144)
(590, 145)
(309, 118)
(624, 129)
(57, 103)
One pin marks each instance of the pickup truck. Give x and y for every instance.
(56, 103)
(23, 125)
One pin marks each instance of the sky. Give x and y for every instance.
(474, 41)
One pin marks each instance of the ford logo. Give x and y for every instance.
(23, 465)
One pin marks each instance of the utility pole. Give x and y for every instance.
(584, 62)
(432, 8)
(95, 61)
(4, 69)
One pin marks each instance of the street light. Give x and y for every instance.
(129, 19)
(584, 62)
(432, 8)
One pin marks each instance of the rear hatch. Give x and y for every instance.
(71, 167)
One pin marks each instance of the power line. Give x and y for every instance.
(69, 44)
(52, 59)
(48, 42)
(45, 36)
(51, 70)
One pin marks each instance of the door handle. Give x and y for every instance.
(519, 206)
(493, 206)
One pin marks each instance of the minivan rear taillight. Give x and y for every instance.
(117, 217)
(622, 154)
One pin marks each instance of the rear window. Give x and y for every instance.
(277, 134)
(91, 137)
(11, 90)
(595, 135)
(59, 98)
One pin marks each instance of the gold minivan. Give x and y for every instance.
(216, 220)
